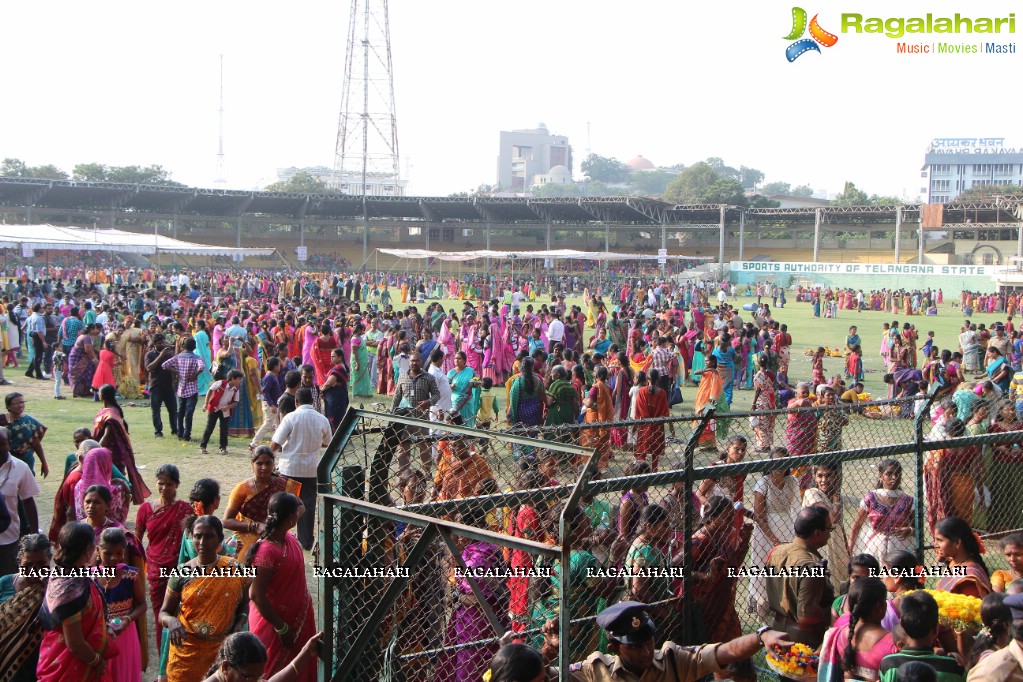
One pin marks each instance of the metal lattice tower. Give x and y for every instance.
(366, 156)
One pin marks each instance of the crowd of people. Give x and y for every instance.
(276, 359)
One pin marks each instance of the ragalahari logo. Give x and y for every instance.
(817, 35)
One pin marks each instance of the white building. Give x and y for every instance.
(953, 165)
(377, 184)
(526, 154)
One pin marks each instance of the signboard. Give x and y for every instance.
(971, 145)
(26, 250)
(302, 253)
(791, 268)
(662, 256)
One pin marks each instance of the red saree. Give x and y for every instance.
(73, 598)
(289, 596)
(322, 348)
(164, 527)
(108, 420)
(651, 402)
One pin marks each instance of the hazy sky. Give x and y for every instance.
(137, 83)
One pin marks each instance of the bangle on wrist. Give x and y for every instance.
(283, 630)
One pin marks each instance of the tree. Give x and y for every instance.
(851, 196)
(652, 183)
(764, 202)
(878, 200)
(129, 175)
(605, 168)
(750, 177)
(300, 183)
(701, 184)
(16, 168)
(802, 191)
(773, 188)
(553, 190)
(983, 193)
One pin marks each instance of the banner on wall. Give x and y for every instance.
(793, 268)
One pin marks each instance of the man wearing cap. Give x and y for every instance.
(631, 632)
(800, 602)
(1004, 665)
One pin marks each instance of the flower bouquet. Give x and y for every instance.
(800, 663)
(957, 611)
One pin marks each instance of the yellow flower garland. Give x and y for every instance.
(957, 611)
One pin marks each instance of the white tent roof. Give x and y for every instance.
(552, 254)
(56, 238)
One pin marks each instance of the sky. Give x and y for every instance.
(124, 83)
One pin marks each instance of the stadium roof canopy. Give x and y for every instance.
(555, 254)
(51, 237)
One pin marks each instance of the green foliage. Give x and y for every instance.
(652, 183)
(605, 168)
(131, 175)
(300, 183)
(702, 184)
(16, 168)
(987, 192)
(802, 191)
(764, 202)
(851, 196)
(750, 177)
(558, 189)
(878, 200)
(773, 188)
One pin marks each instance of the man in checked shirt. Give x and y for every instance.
(417, 392)
(663, 359)
(188, 365)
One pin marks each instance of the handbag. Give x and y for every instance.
(754, 421)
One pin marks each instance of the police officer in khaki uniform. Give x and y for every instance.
(800, 600)
(631, 634)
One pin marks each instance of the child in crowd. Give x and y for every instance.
(221, 400)
(919, 625)
(488, 412)
(124, 592)
(59, 370)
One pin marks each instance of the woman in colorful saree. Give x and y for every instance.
(322, 347)
(242, 422)
(281, 612)
(599, 410)
(651, 402)
(110, 429)
(960, 548)
(25, 433)
(716, 545)
(468, 622)
(82, 361)
(890, 513)
(162, 520)
(953, 477)
(361, 387)
(200, 611)
(764, 398)
(711, 393)
(76, 643)
(335, 389)
(247, 506)
(463, 392)
(21, 595)
(202, 349)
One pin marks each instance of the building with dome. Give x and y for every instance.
(559, 175)
(526, 156)
(638, 163)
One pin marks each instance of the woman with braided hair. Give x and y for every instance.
(243, 657)
(858, 646)
(281, 611)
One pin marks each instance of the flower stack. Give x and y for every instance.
(957, 611)
(799, 663)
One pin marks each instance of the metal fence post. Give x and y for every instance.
(918, 434)
(688, 517)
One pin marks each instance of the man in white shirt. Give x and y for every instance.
(555, 331)
(16, 484)
(300, 439)
(443, 386)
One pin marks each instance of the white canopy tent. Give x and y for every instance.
(554, 254)
(29, 238)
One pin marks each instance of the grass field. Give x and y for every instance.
(63, 417)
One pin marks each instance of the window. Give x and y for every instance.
(923, 174)
(1003, 169)
(983, 168)
(989, 259)
(940, 185)
(940, 169)
(923, 190)
(939, 199)
(981, 183)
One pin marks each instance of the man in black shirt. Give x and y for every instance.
(161, 384)
(286, 403)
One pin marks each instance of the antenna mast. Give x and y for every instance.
(221, 180)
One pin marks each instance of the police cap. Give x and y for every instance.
(627, 622)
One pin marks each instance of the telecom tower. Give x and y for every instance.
(221, 180)
(366, 155)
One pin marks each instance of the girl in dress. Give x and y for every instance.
(776, 501)
(890, 513)
(828, 494)
(125, 595)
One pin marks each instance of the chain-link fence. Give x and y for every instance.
(484, 521)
